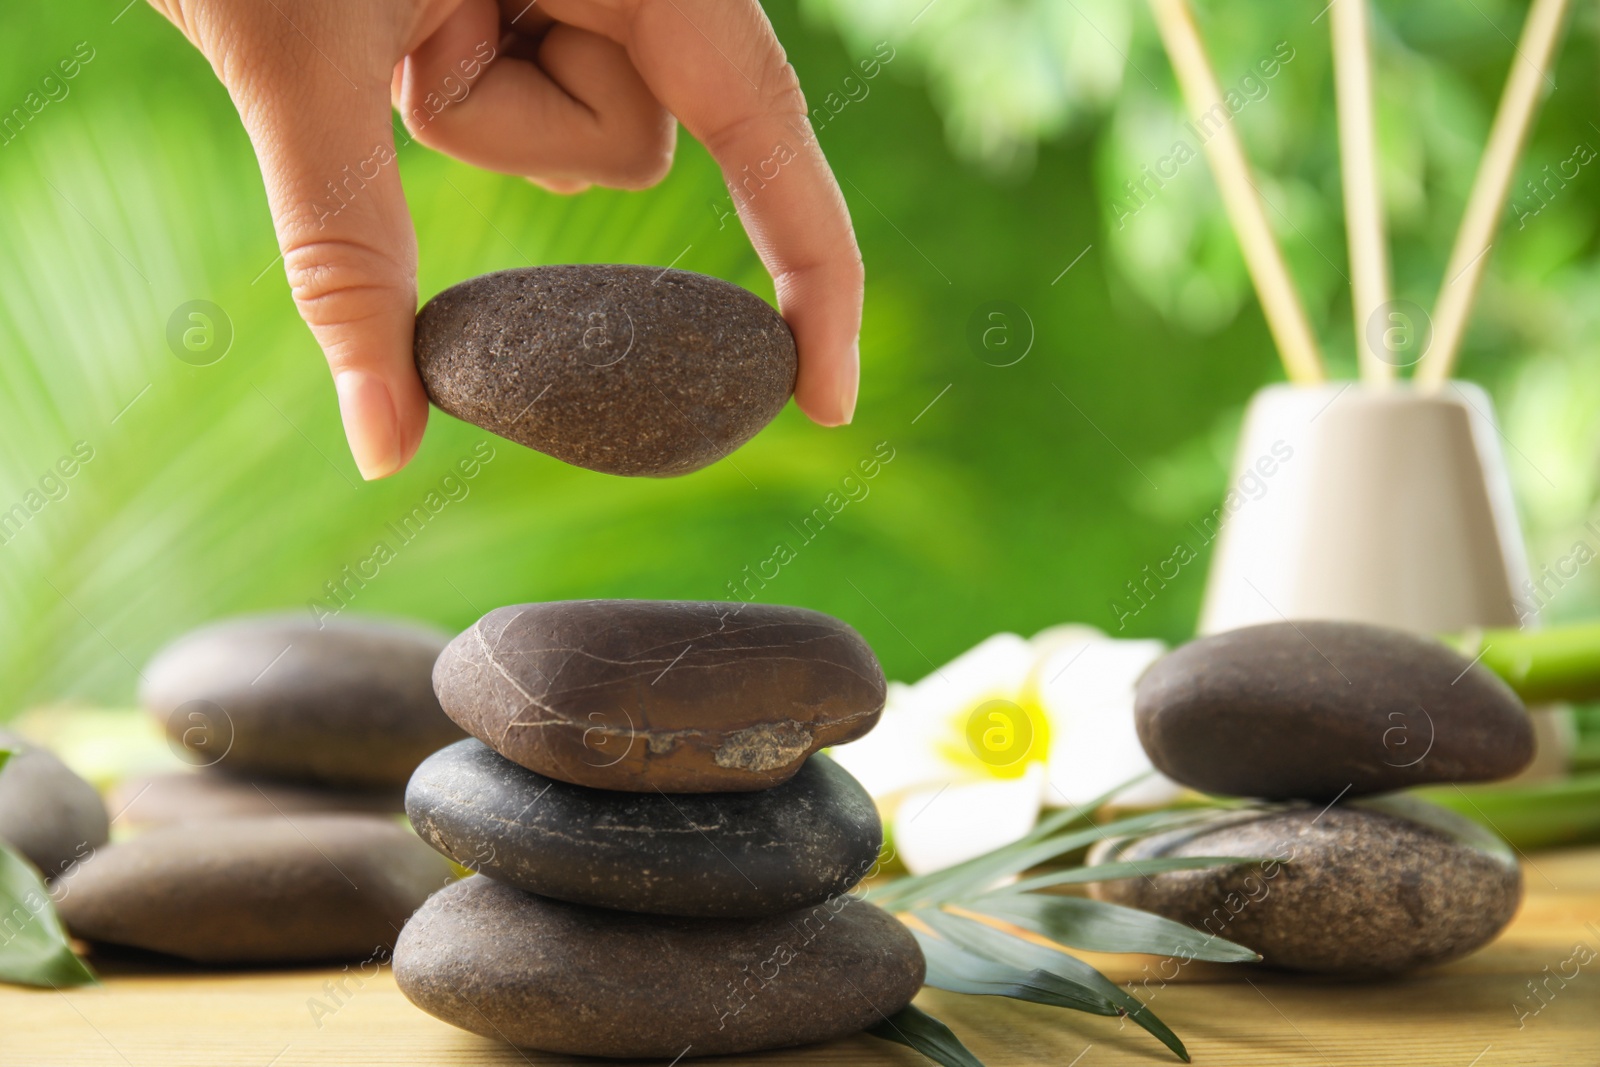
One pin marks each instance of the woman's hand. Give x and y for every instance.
(566, 93)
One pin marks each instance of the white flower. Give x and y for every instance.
(963, 761)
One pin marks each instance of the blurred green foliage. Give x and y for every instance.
(985, 158)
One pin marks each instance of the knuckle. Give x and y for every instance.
(339, 281)
(643, 161)
(782, 90)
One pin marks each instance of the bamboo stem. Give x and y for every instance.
(1556, 663)
(1544, 815)
(1280, 303)
(1518, 103)
(1358, 156)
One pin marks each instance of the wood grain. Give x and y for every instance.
(1463, 1015)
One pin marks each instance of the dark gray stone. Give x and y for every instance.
(348, 703)
(1381, 886)
(195, 796)
(706, 854)
(620, 369)
(1322, 709)
(543, 974)
(47, 813)
(273, 890)
(675, 696)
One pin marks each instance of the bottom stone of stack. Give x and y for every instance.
(569, 978)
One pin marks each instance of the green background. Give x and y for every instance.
(985, 158)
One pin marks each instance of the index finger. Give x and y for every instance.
(718, 67)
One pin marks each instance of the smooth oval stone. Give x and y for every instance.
(1382, 886)
(1318, 710)
(675, 696)
(193, 796)
(706, 854)
(349, 702)
(47, 813)
(559, 977)
(619, 369)
(273, 890)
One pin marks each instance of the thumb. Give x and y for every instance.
(326, 149)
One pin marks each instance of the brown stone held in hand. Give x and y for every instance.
(675, 696)
(1319, 710)
(620, 369)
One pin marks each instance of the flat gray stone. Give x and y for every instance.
(272, 890)
(349, 703)
(697, 854)
(543, 974)
(1382, 886)
(620, 369)
(1318, 710)
(647, 695)
(47, 813)
(202, 795)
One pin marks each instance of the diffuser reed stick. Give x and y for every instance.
(1280, 302)
(1524, 86)
(1358, 157)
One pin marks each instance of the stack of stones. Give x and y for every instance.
(285, 846)
(1330, 719)
(664, 859)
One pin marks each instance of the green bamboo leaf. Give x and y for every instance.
(1098, 926)
(1105, 872)
(1002, 947)
(956, 969)
(965, 880)
(916, 1029)
(1068, 817)
(33, 944)
(1053, 823)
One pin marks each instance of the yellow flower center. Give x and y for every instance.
(998, 737)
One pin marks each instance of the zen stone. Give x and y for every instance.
(708, 854)
(620, 369)
(274, 890)
(193, 796)
(1381, 886)
(1318, 710)
(675, 696)
(565, 978)
(48, 814)
(337, 702)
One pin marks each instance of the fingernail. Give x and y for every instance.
(370, 424)
(852, 387)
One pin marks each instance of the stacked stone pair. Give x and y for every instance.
(1328, 720)
(664, 859)
(282, 842)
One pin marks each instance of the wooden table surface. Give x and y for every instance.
(1478, 1012)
